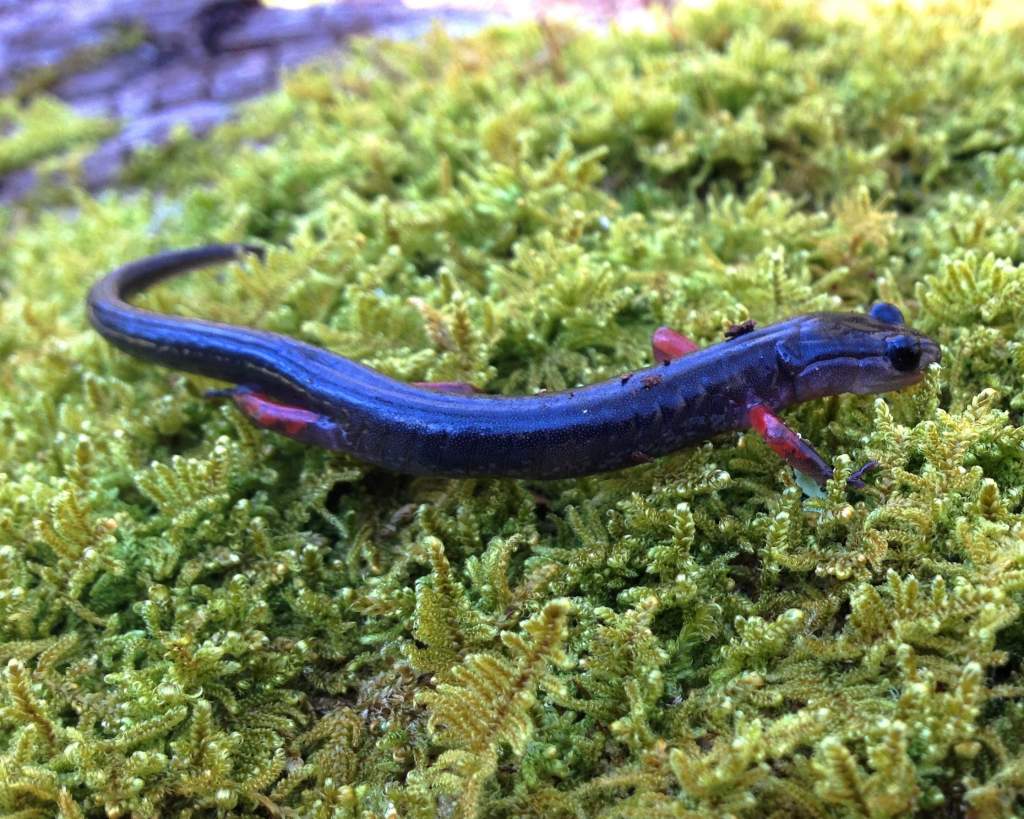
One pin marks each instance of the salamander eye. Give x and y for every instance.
(903, 352)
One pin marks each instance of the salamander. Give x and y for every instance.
(451, 430)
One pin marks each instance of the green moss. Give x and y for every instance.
(45, 128)
(198, 618)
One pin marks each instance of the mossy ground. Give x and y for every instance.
(198, 618)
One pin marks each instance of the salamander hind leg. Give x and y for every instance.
(293, 421)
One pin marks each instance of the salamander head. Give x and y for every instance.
(832, 353)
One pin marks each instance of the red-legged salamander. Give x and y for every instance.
(320, 398)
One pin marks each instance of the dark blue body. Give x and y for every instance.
(616, 423)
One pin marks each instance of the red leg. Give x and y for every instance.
(668, 345)
(795, 451)
(296, 422)
(452, 387)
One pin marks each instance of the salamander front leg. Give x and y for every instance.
(668, 345)
(795, 451)
(292, 421)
